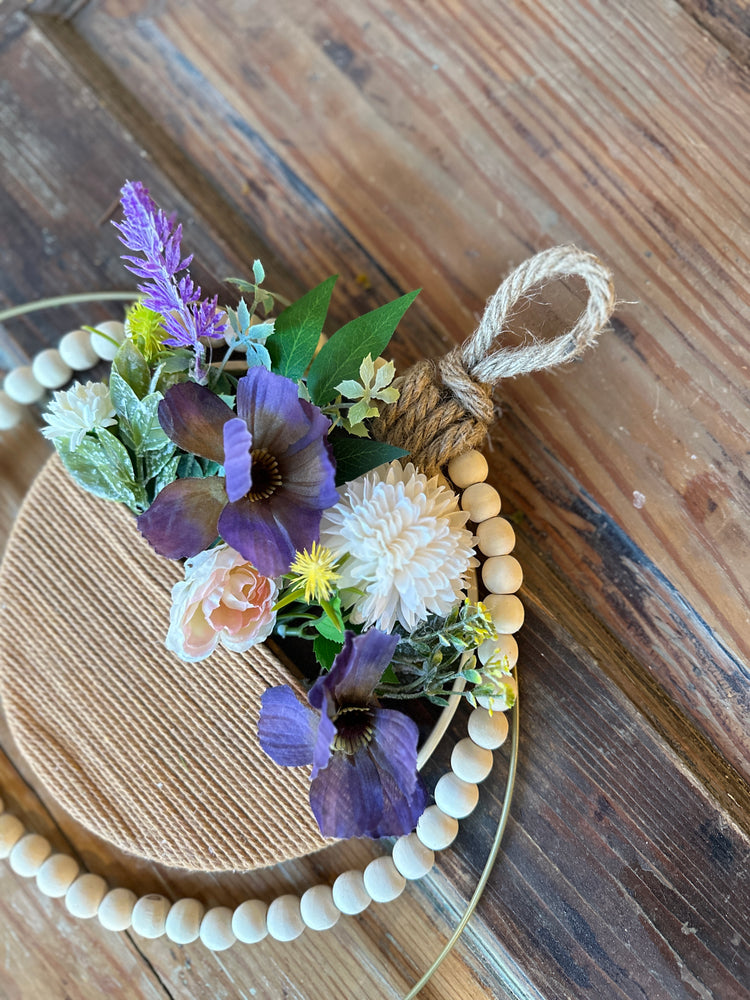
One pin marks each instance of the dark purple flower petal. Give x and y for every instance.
(237, 444)
(252, 530)
(310, 475)
(301, 524)
(182, 520)
(393, 748)
(271, 407)
(356, 670)
(347, 797)
(193, 417)
(287, 729)
(323, 743)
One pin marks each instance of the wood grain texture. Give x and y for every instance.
(727, 20)
(434, 145)
(445, 147)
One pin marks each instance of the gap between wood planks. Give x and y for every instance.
(726, 21)
(696, 753)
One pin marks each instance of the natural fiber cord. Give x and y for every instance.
(157, 756)
(445, 407)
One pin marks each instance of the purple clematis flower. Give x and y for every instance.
(279, 473)
(364, 776)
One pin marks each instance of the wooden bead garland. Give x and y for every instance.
(384, 878)
(53, 367)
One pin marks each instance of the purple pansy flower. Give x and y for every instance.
(279, 473)
(146, 230)
(364, 776)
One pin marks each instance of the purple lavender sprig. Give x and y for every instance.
(147, 230)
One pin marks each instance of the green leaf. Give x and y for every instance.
(156, 460)
(340, 358)
(131, 366)
(166, 475)
(138, 419)
(102, 466)
(326, 651)
(297, 331)
(331, 625)
(389, 676)
(356, 456)
(473, 676)
(258, 272)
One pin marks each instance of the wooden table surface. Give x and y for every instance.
(437, 143)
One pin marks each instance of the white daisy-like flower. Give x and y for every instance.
(73, 413)
(408, 550)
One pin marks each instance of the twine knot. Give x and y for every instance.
(445, 407)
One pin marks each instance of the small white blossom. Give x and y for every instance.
(407, 549)
(82, 408)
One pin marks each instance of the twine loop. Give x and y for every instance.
(446, 407)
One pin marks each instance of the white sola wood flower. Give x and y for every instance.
(406, 545)
(82, 408)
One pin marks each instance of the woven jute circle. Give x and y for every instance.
(157, 756)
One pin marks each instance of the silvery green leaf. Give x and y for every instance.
(166, 475)
(243, 316)
(179, 361)
(146, 427)
(102, 466)
(258, 332)
(156, 459)
(258, 272)
(130, 365)
(234, 321)
(257, 356)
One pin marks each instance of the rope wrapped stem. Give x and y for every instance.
(445, 407)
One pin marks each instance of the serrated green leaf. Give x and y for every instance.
(297, 331)
(102, 466)
(326, 650)
(138, 419)
(355, 457)
(131, 366)
(155, 461)
(340, 358)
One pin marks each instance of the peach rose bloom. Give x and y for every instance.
(223, 599)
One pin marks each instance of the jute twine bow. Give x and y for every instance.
(446, 407)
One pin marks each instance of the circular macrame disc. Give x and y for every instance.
(157, 756)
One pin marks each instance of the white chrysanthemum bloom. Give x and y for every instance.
(80, 409)
(408, 550)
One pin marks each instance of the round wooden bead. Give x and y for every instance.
(76, 350)
(11, 831)
(470, 762)
(349, 892)
(456, 797)
(436, 829)
(502, 574)
(284, 919)
(183, 924)
(50, 370)
(113, 331)
(503, 649)
(56, 875)
(22, 387)
(115, 911)
(150, 915)
(249, 921)
(488, 731)
(84, 896)
(506, 610)
(467, 469)
(383, 880)
(216, 929)
(29, 854)
(411, 857)
(481, 501)
(318, 909)
(495, 537)
(10, 412)
(505, 696)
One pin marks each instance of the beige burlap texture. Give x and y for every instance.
(157, 756)
(161, 757)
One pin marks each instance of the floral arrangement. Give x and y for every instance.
(240, 438)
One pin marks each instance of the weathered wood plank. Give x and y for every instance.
(727, 20)
(444, 147)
